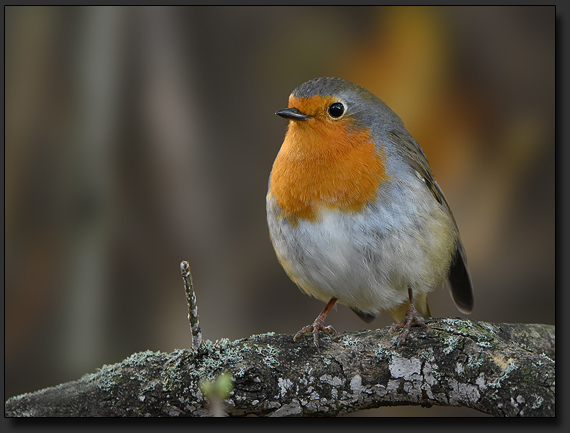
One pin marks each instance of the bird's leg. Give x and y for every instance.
(412, 317)
(318, 324)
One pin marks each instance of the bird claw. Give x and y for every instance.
(412, 318)
(315, 327)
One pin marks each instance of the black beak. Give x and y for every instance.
(292, 113)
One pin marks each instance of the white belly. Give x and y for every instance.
(368, 259)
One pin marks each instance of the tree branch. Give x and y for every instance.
(499, 369)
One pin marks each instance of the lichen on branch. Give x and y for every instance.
(498, 369)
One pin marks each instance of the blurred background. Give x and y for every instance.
(138, 137)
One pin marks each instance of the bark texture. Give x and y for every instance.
(496, 368)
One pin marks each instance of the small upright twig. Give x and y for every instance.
(192, 306)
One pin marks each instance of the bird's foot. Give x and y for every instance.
(412, 318)
(315, 327)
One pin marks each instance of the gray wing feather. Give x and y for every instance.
(459, 277)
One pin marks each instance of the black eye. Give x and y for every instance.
(336, 110)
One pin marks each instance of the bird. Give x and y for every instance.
(355, 215)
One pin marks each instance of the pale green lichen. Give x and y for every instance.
(451, 322)
(347, 340)
(538, 400)
(474, 361)
(108, 377)
(452, 343)
(142, 359)
(427, 354)
(381, 352)
(213, 357)
(268, 352)
(222, 353)
(483, 344)
(496, 383)
(465, 326)
(267, 334)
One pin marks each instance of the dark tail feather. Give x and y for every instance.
(460, 281)
(367, 317)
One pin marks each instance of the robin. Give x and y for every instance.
(354, 213)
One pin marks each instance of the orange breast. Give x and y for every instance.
(325, 163)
